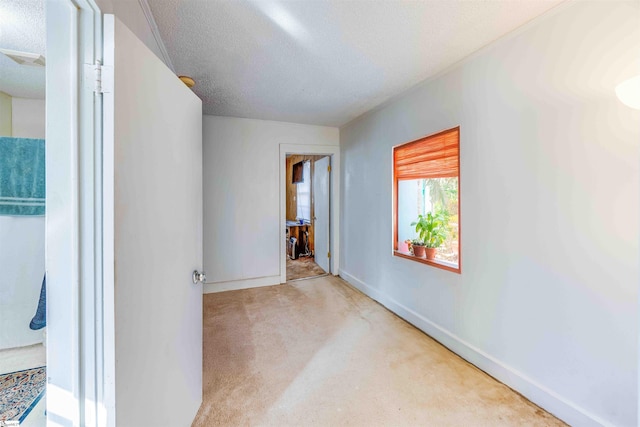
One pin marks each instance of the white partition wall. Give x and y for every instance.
(243, 226)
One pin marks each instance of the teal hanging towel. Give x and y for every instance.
(22, 176)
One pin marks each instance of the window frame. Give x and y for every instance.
(434, 263)
(306, 167)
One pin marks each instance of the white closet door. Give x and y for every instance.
(154, 154)
(321, 212)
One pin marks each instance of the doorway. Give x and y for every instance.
(332, 155)
(22, 215)
(307, 215)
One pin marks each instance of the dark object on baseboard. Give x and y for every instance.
(39, 321)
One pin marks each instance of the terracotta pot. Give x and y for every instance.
(431, 253)
(418, 251)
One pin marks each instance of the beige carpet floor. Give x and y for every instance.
(303, 267)
(319, 353)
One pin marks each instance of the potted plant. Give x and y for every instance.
(432, 230)
(406, 246)
(418, 248)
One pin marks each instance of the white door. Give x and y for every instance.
(153, 161)
(321, 212)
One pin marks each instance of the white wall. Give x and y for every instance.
(22, 117)
(241, 196)
(22, 270)
(28, 118)
(22, 243)
(5, 114)
(548, 296)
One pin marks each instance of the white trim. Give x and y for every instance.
(233, 285)
(61, 263)
(108, 231)
(532, 390)
(75, 386)
(146, 9)
(334, 200)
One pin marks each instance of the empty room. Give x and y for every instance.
(323, 213)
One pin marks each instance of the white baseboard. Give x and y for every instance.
(537, 393)
(233, 285)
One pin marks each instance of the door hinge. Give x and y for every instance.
(329, 168)
(328, 254)
(98, 78)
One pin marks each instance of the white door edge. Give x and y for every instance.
(322, 209)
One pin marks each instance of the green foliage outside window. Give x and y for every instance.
(443, 195)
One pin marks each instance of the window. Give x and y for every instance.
(303, 189)
(426, 177)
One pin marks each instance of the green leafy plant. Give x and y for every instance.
(432, 228)
(417, 242)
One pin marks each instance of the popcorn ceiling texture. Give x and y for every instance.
(22, 27)
(323, 62)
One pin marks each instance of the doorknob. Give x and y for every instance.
(198, 277)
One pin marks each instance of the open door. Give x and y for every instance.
(153, 218)
(321, 212)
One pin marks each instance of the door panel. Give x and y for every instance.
(321, 212)
(157, 226)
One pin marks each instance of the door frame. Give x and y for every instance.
(332, 151)
(77, 385)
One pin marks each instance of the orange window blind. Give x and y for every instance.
(434, 156)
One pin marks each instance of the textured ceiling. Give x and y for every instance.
(323, 62)
(22, 28)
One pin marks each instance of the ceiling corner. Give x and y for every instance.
(144, 5)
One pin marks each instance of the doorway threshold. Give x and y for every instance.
(307, 278)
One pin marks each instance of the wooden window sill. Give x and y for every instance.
(433, 263)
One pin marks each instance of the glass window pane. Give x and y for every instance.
(422, 196)
(304, 193)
